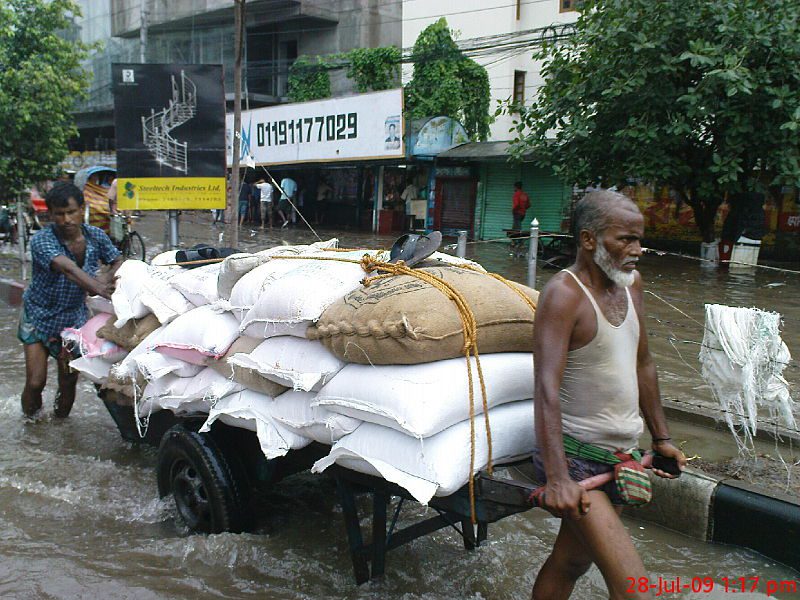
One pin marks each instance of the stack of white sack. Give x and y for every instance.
(274, 296)
(417, 419)
(408, 379)
(201, 362)
(292, 345)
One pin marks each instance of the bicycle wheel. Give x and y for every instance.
(134, 246)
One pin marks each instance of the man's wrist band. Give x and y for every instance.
(666, 439)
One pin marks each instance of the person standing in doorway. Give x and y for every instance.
(288, 192)
(66, 257)
(324, 192)
(520, 203)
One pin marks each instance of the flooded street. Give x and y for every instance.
(80, 515)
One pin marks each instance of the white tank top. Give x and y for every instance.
(600, 389)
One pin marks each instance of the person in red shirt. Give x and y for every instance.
(519, 205)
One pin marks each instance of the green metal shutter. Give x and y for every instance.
(548, 196)
(498, 190)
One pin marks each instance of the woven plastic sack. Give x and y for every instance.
(253, 411)
(438, 465)
(422, 400)
(290, 361)
(295, 412)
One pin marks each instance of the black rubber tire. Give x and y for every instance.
(209, 496)
(134, 246)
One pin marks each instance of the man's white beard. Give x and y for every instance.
(603, 260)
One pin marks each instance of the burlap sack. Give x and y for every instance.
(131, 334)
(249, 378)
(403, 320)
(124, 387)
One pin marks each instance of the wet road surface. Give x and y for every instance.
(80, 515)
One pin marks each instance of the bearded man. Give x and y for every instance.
(594, 376)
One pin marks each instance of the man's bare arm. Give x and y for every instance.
(74, 273)
(555, 320)
(649, 395)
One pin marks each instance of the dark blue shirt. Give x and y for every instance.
(53, 302)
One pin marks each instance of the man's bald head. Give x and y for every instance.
(595, 211)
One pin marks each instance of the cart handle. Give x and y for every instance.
(590, 483)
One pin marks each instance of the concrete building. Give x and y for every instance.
(513, 74)
(201, 31)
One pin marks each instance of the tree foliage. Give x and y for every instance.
(701, 95)
(40, 81)
(373, 69)
(309, 79)
(446, 82)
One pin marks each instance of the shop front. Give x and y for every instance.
(479, 198)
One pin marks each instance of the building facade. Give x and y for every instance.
(202, 31)
(499, 35)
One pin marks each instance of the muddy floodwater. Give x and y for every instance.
(80, 515)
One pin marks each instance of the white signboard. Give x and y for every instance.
(366, 126)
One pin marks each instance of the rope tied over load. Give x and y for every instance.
(371, 264)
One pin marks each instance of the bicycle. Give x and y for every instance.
(129, 242)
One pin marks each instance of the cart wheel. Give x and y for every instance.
(210, 498)
(134, 247)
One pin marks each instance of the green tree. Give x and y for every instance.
(40, 80)
(446, 82)
(701, 95)
(309, 79)
(373, 68)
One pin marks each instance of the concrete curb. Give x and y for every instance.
(11, 291)
(727, 511)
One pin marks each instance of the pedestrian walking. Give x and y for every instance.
(595, 379)
(289, 192)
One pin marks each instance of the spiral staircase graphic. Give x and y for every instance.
(157, 128)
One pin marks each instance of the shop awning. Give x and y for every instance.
(478, 151)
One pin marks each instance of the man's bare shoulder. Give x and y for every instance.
(561, 291)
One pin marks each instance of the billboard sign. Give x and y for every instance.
(170, 134)
(365, 126)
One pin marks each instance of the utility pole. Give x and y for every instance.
(232, 228)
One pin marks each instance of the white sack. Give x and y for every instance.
(253, 411)
(198, 286)
(98, 304)
(438, 465)
(163, 300)
(236, 266)
(422, 400)
(170, 391)
(129, 280)
(294, 362)
(294, 411)
(298, 298)
(128, 367)
(165, 258)
(248, 289)
(203, 329)
(154, 365)
(95, 369)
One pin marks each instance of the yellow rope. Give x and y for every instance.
(470, 331)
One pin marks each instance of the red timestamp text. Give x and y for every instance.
(663, 586)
